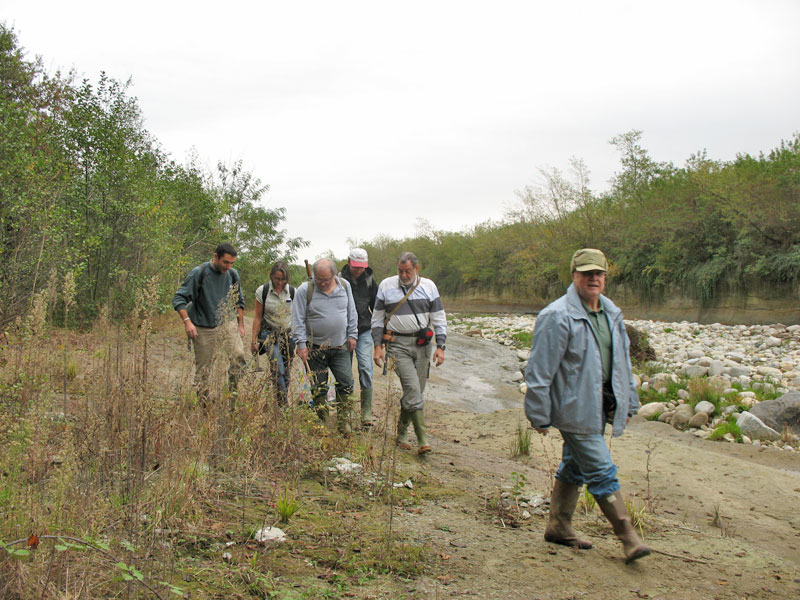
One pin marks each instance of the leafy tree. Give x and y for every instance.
(33, 172)
(251, 227)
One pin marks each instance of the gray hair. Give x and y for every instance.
(324, 263)
(408, 257)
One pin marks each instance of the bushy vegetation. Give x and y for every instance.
(86, 190)
(706, 227)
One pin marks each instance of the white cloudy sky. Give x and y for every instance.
(366, 116)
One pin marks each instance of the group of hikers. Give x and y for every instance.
(578, 376)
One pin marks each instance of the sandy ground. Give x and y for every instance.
(725, 520)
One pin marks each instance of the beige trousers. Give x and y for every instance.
(223, 338)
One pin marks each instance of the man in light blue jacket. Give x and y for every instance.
(579, 378)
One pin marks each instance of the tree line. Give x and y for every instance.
(90, 202)
(705, 228)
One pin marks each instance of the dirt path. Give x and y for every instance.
(726, 522)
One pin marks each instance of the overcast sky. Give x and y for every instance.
(364, 117)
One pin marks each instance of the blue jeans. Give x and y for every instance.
(281, 350)
(585, 459)
(364, 357)
(339, 362)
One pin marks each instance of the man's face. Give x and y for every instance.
(355, 271)
(407, 272)
(222, 263)
(589, 285)
(325, 280)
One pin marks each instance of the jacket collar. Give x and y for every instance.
(576, 309)
(345, 272)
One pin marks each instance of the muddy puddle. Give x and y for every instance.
(476, 376)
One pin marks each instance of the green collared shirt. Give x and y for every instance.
(599, 322)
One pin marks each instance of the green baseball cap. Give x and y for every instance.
(588, 259)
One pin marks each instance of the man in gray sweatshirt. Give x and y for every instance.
(325, 329)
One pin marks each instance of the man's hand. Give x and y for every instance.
(377, 356)
(438, 357)
(254, 347)
(191, 330)
(542, 430)
(351, 344)
(241, 329)
(303, 354)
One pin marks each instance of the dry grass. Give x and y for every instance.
(131, 486)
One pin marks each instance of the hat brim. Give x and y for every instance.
(591, 268)
(355, 263)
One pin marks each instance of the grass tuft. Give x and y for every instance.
(521, 442)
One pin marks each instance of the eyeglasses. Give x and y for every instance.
(321, 281)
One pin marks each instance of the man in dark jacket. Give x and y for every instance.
(200, 303)
(365, 289)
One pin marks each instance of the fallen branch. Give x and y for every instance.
(686, 558)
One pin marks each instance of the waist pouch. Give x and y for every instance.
(609, 402)
(424, 337)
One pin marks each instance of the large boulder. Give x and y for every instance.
(651, 409)
(705, 406)
(781, 412)
(660, 380)
(694, 370)
(755, 429)
(698, 420)
(682, 416)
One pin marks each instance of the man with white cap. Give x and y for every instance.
(579, 379)
(365, 289)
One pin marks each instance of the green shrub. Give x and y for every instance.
(523, 339)
(729, 426)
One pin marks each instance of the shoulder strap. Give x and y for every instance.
(309, 292)
(399, 304)
(291, 293)
(264, 292)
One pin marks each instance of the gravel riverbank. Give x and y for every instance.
(740, 362)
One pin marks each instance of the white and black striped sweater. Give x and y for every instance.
(424, 300)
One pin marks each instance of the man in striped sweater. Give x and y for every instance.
(407, 321)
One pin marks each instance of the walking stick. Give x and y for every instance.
(310, 283)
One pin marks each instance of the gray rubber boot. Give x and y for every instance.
(344, 409)
(418, 419)
(322, 411)
(616, 512)
(366, 407)
(402, 429)
(563, 501)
